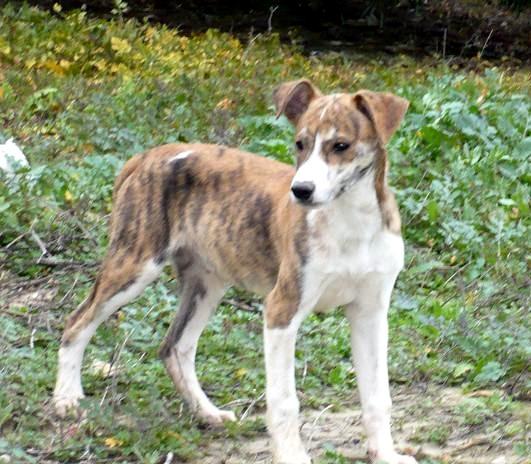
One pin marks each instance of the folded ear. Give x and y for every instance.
(293, 98)
(385, 110)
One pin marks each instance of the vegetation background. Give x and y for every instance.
(82, 94)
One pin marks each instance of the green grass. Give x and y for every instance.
(82, 95)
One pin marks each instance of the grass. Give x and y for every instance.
(82, 95)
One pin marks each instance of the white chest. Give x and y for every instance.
(344, 253)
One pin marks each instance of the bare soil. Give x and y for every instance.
(417, 412)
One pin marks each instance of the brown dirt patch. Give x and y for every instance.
(417, 415)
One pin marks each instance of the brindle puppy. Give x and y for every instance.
(322, 235)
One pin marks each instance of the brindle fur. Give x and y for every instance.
(231, 208)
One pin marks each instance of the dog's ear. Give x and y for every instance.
(383, 109)
(293, 98)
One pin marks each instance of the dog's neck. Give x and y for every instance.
(371, 192)
(360, 198)
(368, 206)
(352, 217)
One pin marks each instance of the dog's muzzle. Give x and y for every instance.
(303, 191)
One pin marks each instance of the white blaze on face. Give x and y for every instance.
(328, 179)
(316, 171)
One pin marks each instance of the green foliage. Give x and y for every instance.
(82, 95)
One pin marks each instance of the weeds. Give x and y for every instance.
(83, 95)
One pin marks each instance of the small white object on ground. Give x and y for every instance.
(104, 369)
(11, 157)
(499, 460)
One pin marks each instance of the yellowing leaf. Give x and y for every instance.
(1, 93)
(5, 49)
(100, 65)
(225, 104)
(241, 372)
(112, 442)
(57, 7)
(53, 66)
(65, 64)
(68, 196)
(30, 63)
(120, 46)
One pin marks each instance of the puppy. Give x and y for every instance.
(323, 234)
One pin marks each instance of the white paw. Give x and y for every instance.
(392, 458)
(65, 406)
(217, 417)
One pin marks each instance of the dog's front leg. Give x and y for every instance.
(368, 321)
(280, 333)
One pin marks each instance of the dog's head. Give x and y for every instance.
(338, 136)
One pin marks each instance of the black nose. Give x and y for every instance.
(303, 190)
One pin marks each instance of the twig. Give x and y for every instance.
(32, 338)
(421, 209)
(69, 291)
(51, 261)
(250, 44)
(250, 407)
(15, 240)
(444, 42)
(519, 376)
(85, 230)
(39, 242)
(314, 423)
(475, 441)
(271, 12)
(120, 350)
(22, 283)
(485, 44)
(460, 269)
(241, 305)
(169, 458)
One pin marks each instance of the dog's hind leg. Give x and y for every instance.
(201, 292)
(116, 285)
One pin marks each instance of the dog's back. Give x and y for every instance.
(223, 203)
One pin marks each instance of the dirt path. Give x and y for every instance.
(420, 419)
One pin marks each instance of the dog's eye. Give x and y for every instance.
(340, 146)
(299, 145)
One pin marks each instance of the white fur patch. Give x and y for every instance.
(282, 402)
(347, 242)
(329, 135)
(354, 261)
(327, 106)
(68, 387)
(302, 132)
(329, 180)
(369, 333)
(180, 156)
(316, 170)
